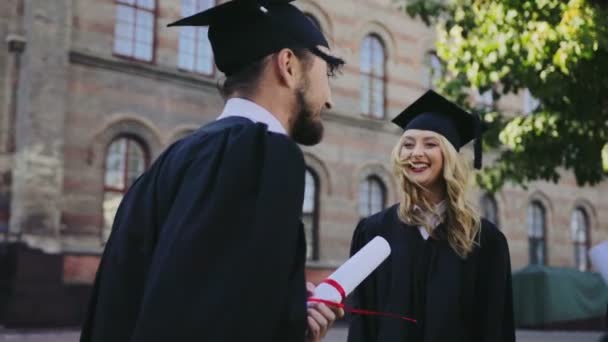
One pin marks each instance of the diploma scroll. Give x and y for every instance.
(348, 276)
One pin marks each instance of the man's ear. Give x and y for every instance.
(288, 66)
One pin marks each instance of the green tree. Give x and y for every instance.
(558, 49)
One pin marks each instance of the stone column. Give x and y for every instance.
(37, 176)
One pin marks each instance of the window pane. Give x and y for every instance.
(204, 45)
(136, 163)
(378, 58)
(125, 14)
(186, 45)
(435, 71)
(365, 94)
(143, 36)
(530, 102)
(308, 221)
(204, 65)
(378, 112)
(188, 7)
(540, 252)
(309, 209)
(578, 225)
(489, 209)
(143, 51)
(486, 99)
(129, 2)
(123, 31)
(378, 98)
(580, 255)
(536, 231)
(537, 251)
(188, 32)
(377, 196)
(536, 220)
(366, 56)
(205, 4)
(111, 201)
(309, 193)
(364, 198)
(147, 4)
(186, 61)
(123, 46)
(145, 19)
(115, 164)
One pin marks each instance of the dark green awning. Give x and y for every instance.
(544, 295)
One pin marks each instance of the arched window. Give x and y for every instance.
(125, 161)
(433, 70)
(310, 214)
(489, 208)
(373, 60)
(536, 233)
(195, 52)
(372, 196)
(579, 226)
(135, 29)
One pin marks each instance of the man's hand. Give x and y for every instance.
(320, 317)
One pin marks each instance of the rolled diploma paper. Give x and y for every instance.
(355, 270)
(599, 259)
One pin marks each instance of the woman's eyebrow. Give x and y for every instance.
(430, 139)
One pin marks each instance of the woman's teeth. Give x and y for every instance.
(418, 166)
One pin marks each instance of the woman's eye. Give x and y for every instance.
(408, 145)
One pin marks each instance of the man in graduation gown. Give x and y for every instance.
(207, 245)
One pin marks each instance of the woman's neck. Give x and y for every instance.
(435, 194)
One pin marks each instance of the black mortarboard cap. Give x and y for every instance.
(243, 31)
(433, 112)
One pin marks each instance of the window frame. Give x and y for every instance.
(369, 112)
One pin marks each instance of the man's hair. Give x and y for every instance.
(245, 81)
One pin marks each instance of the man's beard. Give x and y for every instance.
(306, 130)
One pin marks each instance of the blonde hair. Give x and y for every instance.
(462, 219)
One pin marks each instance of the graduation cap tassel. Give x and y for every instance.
(478, 143)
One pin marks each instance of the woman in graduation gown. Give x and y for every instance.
(449, 269)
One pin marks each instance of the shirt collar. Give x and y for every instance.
(252, 111)
(434, 219)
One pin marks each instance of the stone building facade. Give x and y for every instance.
(93, 90)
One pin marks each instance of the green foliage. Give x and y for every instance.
(558, 49)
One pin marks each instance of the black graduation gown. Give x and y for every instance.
(207, 245)
(452, 299)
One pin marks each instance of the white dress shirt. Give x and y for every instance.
(252, 111)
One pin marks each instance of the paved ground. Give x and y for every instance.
(338, 334)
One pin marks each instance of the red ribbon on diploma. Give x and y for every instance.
(340, 290)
